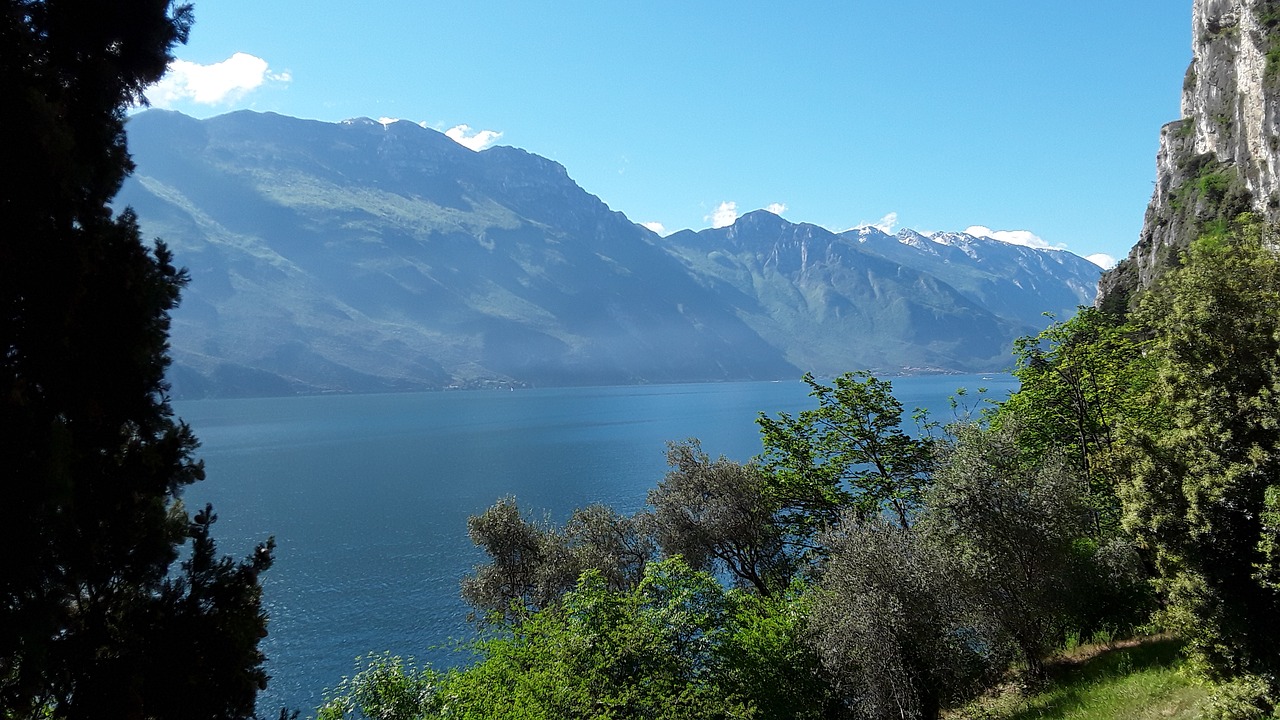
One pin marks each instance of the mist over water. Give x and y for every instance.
(368, 495)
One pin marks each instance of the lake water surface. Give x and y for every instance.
(368, 495)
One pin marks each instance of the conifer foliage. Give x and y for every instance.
(97, 618)
(1203, 493)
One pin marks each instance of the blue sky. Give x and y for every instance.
(1036, 117)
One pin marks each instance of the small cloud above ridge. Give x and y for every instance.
(1026, 238)
(725, 214)
(476, 140)
(216, 84)
(886, 224)
(656, 227)
(1102, 260)
(776, 208)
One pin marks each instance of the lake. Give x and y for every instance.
(368, 495)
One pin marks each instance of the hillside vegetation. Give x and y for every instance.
(1141, 680)
(857, 570)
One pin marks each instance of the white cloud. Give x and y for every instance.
(886, 224)
(1102, 260)
(473, 139)
(724, 215)
(656, 227)
(1013, 237)
(217, 84)
(777, 208)
(388, 120)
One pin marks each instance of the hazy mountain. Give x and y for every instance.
(359, 256)
(1015, 282)
(868, 299)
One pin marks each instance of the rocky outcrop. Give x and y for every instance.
(1222, 157)
(1231, 93)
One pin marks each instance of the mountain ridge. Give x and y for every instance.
(819, 286)
(363, 257)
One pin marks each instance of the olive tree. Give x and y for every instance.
(532, 564)
(896, 625)
(718, 514)
(1010, 523)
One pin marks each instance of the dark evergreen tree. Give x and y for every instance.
(93, 623)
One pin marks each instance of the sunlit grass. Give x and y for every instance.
(1143, 681)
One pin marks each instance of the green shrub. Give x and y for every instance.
(1246, 698)
(1214, 186)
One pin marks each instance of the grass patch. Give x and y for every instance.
(1141, 680)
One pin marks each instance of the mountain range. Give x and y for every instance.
(364, 256)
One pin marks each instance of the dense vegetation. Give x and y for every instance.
(98, 618)
(857, 570)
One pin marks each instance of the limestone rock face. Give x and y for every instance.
(1221, 158)
(1228, 94)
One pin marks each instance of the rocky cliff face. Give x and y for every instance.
(1231, 90)
(1222, 157)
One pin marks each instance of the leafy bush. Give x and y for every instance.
(1214, 186)
(895, 626)
(1245, 698)
(679, 646)
(385, 688)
